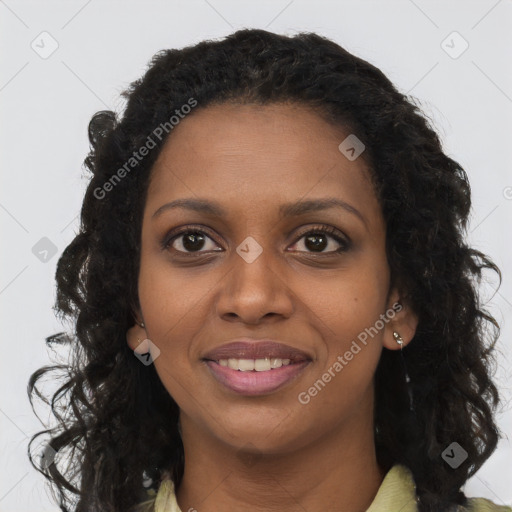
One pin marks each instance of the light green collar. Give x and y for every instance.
(396, 492)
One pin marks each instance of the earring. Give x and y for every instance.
(142, 325)
(137, 341)
(400, 341)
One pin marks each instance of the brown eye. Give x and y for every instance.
(190, 241)
(318, 240)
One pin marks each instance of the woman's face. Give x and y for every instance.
(254, 272)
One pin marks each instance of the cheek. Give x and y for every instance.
(176, 305)
(349, 311)
(169, 313)
(342, 382)
(170, 299)
(349, 302)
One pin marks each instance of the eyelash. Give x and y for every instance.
(317, 230)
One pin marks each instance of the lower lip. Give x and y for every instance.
(255, 383)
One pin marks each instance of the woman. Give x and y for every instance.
(276, 235)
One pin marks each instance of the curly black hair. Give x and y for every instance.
(118, 425)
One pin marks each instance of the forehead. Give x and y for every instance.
(250, 156)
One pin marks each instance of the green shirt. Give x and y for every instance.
(396, 493)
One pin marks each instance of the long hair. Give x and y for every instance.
(117, 424)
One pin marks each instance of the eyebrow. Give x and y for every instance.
(285, 210)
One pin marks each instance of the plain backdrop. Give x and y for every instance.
(64, 60)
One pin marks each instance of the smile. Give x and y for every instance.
(258, 365)
(255, 376)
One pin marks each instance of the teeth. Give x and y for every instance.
(259, 365)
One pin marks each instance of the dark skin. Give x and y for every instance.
(268, 453)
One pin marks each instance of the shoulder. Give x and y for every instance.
(398, 492)
(485, 505)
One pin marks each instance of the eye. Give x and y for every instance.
(317, 239)
(188, 241)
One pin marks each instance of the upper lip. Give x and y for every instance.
(245, 348)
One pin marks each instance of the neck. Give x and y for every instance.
(338, 471)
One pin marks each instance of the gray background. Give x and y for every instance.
(46, 104)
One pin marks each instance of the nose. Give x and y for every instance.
(254, 290)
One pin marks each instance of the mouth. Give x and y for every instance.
(254, 365)
(255, 382)
(252, 368)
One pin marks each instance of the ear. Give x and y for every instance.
(402, 319)
(137, 339)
